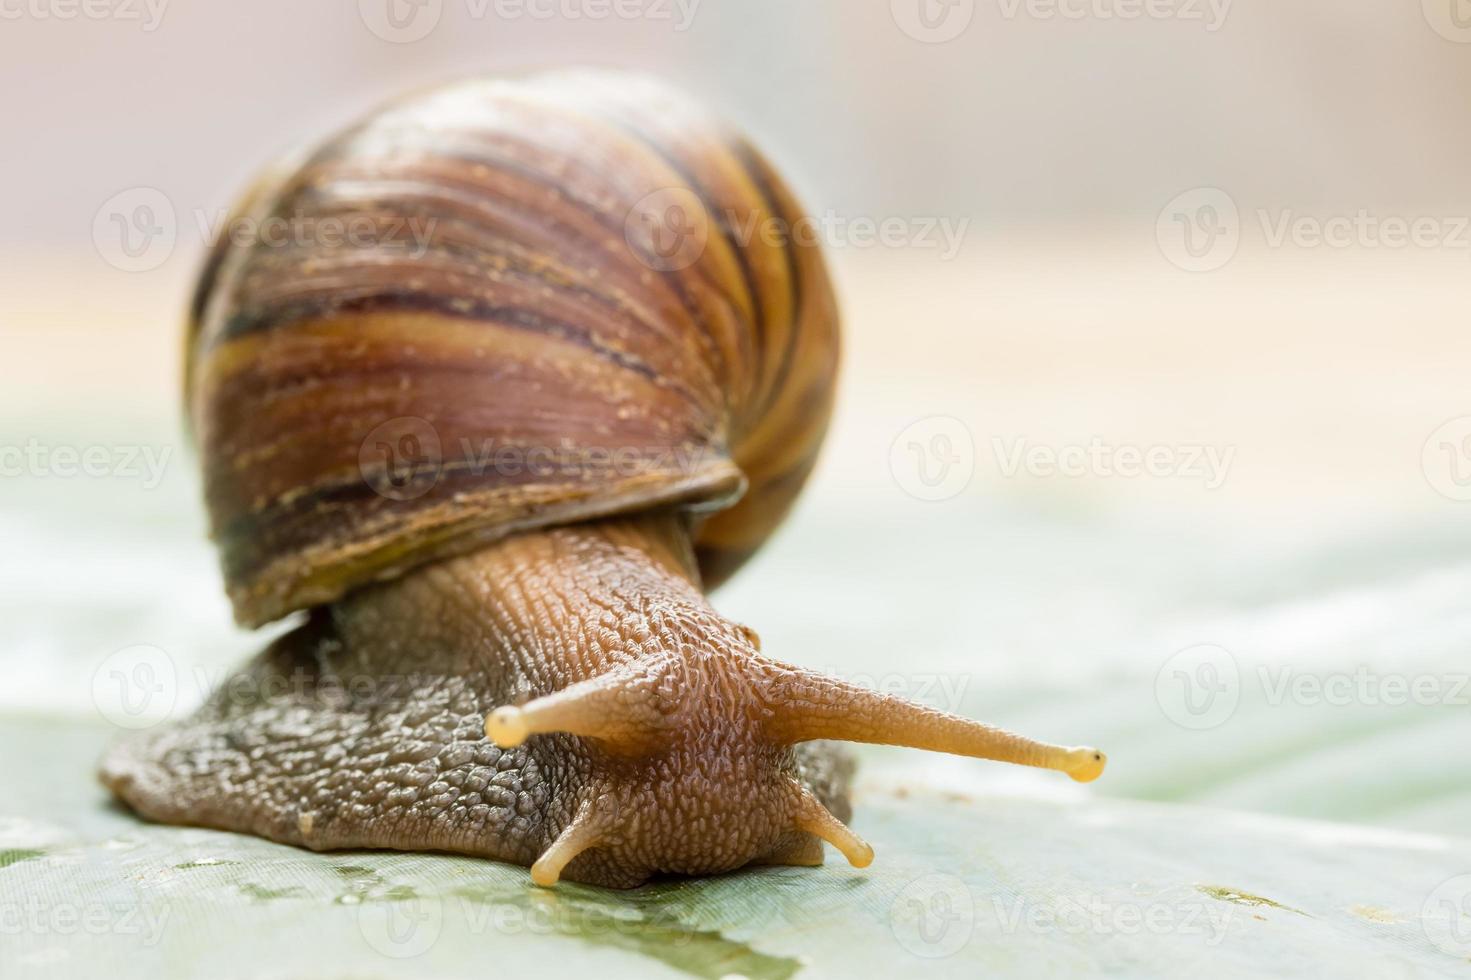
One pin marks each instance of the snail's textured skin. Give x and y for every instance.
(365, 727)
(506, 659)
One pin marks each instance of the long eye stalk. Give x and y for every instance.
(620, 711)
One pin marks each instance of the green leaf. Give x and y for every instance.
(967, 880)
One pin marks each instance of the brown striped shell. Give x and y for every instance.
(502, 305)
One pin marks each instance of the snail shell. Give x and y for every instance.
(569, 305)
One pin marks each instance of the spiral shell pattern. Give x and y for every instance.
(503, 305)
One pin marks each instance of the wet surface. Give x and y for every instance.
(965, 879)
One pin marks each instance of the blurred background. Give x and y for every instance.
(1155, 430)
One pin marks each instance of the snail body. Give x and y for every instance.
(497, 465)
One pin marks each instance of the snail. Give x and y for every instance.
(493, 468)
